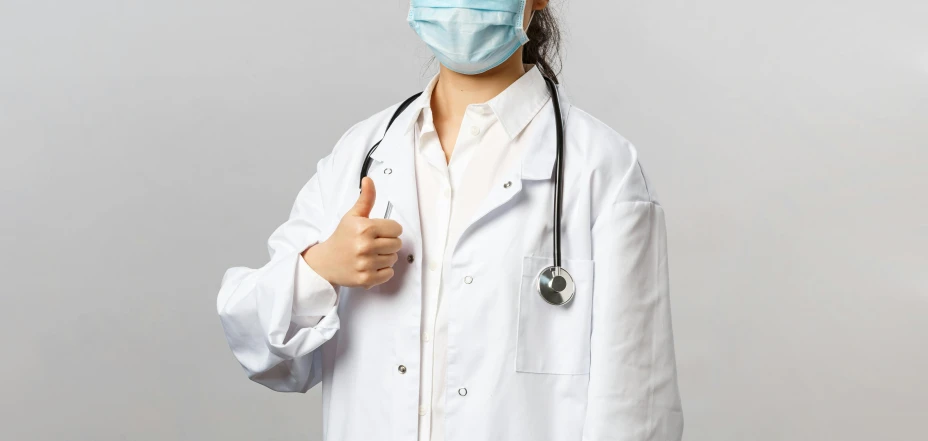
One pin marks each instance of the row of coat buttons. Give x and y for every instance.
(447, 192)
(433, 266)
(462, 391)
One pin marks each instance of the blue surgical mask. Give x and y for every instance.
(469, 36)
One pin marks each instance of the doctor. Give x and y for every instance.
(432, 324)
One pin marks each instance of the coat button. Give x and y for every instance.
(507, 184)
(387, 171)
(409, 258)
(462, 392)
(468, 280)
(474, 130)
(402, 369)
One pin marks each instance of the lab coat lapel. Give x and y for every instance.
(537, 161)
(395, 162)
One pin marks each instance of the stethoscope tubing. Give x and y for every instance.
(558, 172)
(555, 284)
(367, 159)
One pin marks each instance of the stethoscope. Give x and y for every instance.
(554, 283)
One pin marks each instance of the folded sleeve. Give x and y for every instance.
(277, 317)
(633, 392)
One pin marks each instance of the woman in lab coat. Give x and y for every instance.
(429, 325)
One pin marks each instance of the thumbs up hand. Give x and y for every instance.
(361, 251)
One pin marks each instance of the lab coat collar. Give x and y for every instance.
(514, 107)
(416, 107)
(539, 155)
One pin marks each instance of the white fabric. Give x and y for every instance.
(450, 192)
(600, 368)
(314, 296)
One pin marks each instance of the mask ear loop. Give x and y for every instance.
(530, 17)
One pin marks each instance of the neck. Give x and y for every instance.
(454, 91)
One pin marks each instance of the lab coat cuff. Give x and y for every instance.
(313, 295)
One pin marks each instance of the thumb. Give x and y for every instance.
(366, 199)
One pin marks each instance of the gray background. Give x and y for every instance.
(149, 145)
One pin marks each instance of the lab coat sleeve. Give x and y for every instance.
(314, 296)
(277, 317)
(633, 393)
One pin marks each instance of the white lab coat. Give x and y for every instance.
(600, 368)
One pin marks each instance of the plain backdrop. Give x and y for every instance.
(149, 145)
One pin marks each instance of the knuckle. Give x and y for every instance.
(363, 247)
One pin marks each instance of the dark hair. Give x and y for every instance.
(544, 46)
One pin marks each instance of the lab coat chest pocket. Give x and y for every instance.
(554, 339)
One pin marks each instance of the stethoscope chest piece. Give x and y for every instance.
(555, 285)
